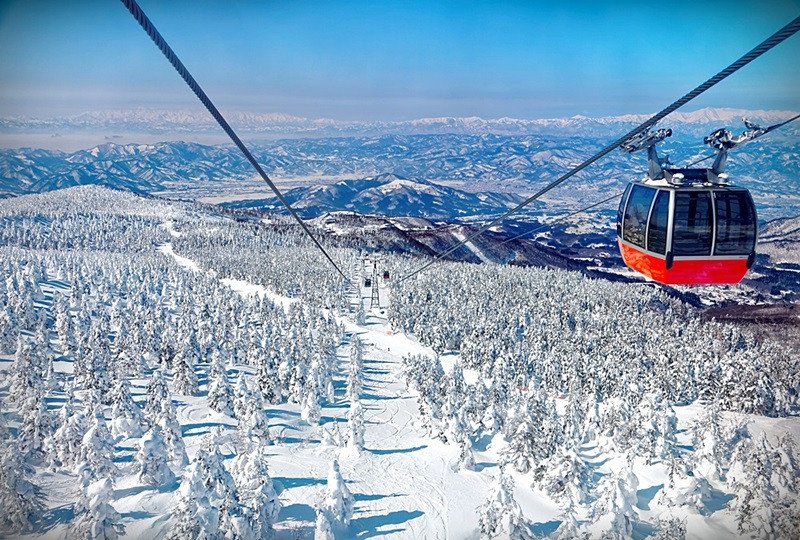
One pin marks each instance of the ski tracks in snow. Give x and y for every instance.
(403, 484)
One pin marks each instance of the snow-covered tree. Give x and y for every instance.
(256, 491)
(355, 369)
(466, 457)
(670, 529)
(126, 416)
(66, 442)
(157, 394)
(220, 394)
(242, 395)
(97, 448)
(208, 504)
(254, 424)
(615, 512)
(338, 504)
(184, 379)
(310, 410)
(151, 460)
(26, 371)
(18, 496)
(37, 424)
(500, 515)
(99, 519)
(564, 476)
(355, 426)
(171, 431)
(323, 529)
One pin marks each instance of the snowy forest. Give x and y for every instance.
(168, 370)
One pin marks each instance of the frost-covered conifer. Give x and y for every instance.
(466, 457)
(310, 411)
(99, 520)
(196, 514)
(220, 394)
(757, 497)
(564, 477)
(254, 424)
(323, 530)
(523, 451)
(26, 371)
(126, 416)
(208, 504)
(361, 315)
(615, 513)
(332, 436)
(670, 529)
(268, 379)
(97, 448)
(65, 443)
(151, 460)
(355, 426)
(157, 394)
(184, 379)
(37, 424)
(500, 515)
(18, 498)
(338, 504)
(354, 377)
(708, 454)
(256, 491)
(171, 431)
(242, 395)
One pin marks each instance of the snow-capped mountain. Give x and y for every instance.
(388, 195)
(770, 167)
(157, 121)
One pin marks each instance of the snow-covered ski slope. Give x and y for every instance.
(104, 286)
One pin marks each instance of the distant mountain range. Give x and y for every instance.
(388, 195)
(196, 121)
(469, 164)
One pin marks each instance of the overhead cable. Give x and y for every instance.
(775, 39)
(158, 39)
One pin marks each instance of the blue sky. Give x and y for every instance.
(394, 60)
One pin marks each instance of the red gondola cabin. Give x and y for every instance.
(687, 235)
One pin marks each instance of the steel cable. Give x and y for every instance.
(775, 39)
(158, 39)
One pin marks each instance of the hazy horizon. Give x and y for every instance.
(392, 62)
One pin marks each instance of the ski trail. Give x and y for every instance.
(403, 482)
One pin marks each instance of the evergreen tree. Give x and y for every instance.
(242, 395)
(151, 460)
(310, 411)
(99, 520)
(323, 529)
(268, 379)
(184, 379)
(196, 514)
(37, 424)
(254, 424)
(171, 431)
(355, 426)
(615, 511)
(97, 448)
(256, 491)
(126, 416)
(18, 496)
(338, 504)
(157, 394)
(500, 515)
(26, 371)
(670, 529)
(66, 441)
(220, 394)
